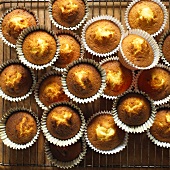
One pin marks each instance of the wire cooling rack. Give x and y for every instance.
(140, 151)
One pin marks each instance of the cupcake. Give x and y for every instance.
(103, 135)
(19, 128)
(63, 123)
(71, 49)
(84, 80)
(155, 82)
(49, 90)
(68, 14)
(16, 81)
(150, 16)
(67, 156)
(101, 35)
(134, 112)
(119, 79)
(37, 47)
(138, 50)
(159, 133)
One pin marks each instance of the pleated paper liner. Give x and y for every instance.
(68, 164)
(7, 12)
(77, 38)
(56, 141)
(91, 21)
(4, 136)
(127, 63)
(73, 28)
(156, 102)
(89, 99)
(20, 41)
(16, 99)
(115, 150)
(158, 2)
(139, 128)
(115, 58)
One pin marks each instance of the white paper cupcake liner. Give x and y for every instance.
(127, 63)
(7, 12)
(113, 151)
(163, 7)
(4, 136)
(36, 92)
(57, 141)
(161, 42)
(16, 99)
(103, 17)
(63, 27)
(77, 38)
(69, 164)
(156, 102)
(115, 58)
(138, 128)
(89, 99)
(20, 41)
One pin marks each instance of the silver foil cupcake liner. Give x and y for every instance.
(98, 18)
(161, 42)
(127, 63)
(89, 99)
(20, 41)
(152, 138)
(7, 12)
(57, 141)
(156, 102)
(36, 92)
(16, 99)
(63, 27)
(69, 164)
(139, 128)
(4, 136)
(77, 38)
(113, 151)
(163, 7)
(115, 58)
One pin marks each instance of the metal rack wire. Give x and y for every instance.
(140, 152)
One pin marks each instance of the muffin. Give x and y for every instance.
(155, 82)
(165, 46)
(16, 80)
(83, 80)
(101, 35)
(14, 21)
(102, 134)
(118, 78)
(68, 14)
(150, 16)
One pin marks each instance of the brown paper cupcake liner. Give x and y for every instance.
(7, 12)
(57, 141)
(127, 63)
(113, 151)
(134, 129)
(55, 23)
(156, 102)
(4, 136)
(77, 38)
(16, 99)
(152, 138)
(102, 17)
(89, 99)
(161, 42)
(115, 58)
(36, 92)
(163, 7)
(65, 165)
(20, 41)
